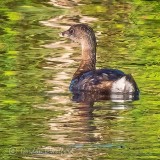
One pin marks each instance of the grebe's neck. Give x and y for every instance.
(88, 62)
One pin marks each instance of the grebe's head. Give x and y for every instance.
(80, 33)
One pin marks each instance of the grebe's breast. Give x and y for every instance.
(104, 80)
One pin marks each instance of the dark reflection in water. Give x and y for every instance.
(94, 97)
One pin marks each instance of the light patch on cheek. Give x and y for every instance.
(66, 36)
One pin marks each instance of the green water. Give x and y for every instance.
(38, 117)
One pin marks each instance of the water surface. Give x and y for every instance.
(39, 117)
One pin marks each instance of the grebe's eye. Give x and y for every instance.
(71, 31)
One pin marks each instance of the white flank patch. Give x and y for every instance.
(122, 86)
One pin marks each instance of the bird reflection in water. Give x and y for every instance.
(85, 108)
(88, 123)
(79, 96)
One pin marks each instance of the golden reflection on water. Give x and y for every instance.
(82, 128)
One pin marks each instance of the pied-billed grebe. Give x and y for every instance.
(87, 78)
